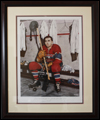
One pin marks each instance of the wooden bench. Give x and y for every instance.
(27, 74)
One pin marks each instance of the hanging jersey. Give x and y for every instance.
(53, 31)
(22, 37)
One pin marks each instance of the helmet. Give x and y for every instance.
(33, 25)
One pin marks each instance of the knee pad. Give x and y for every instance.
(34, 66)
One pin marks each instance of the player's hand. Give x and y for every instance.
(44, 68)
(39, 59)
(49, 64)
(42, 53)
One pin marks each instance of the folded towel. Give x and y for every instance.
(68, 68)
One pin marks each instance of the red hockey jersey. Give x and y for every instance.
(54, 54)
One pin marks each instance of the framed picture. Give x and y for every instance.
(63, 51)
(50, 59)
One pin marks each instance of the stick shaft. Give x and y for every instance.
(43, 57)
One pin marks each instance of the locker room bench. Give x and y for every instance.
(27, 74)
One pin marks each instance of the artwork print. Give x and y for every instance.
(49, 59)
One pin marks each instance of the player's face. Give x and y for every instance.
(48, 42)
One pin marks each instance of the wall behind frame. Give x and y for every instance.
(63, 41)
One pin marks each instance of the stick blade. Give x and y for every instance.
(45, 85)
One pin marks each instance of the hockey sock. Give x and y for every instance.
(35, 74)
(57, 77)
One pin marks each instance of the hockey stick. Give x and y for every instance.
(43, 57)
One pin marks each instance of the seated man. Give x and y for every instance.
(52, 53)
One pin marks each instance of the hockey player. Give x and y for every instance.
(53, 55)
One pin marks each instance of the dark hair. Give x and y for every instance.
(48, 37)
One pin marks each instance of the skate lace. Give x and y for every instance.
(58, 86)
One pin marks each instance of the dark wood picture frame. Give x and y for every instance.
(95, 59)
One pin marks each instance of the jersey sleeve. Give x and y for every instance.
(58, 55)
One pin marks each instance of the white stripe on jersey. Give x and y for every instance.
(58, 59)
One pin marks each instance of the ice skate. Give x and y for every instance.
(35, 85)
(58, 87)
